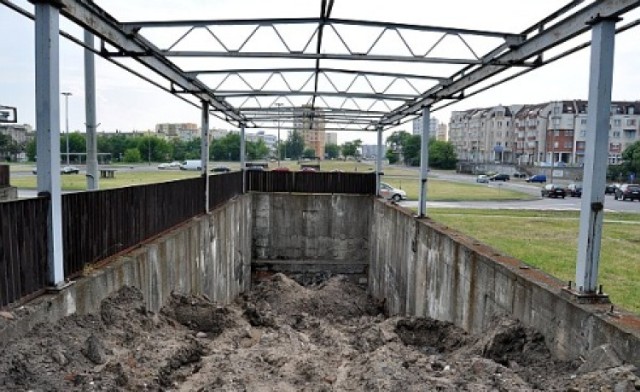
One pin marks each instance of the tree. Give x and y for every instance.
(295, 145)
(257, 150)
(442, 155)
(392, 156)
(31, 150)
(631, 158)
(332, 150)
(132, 155)
(309, 153)
(350, 149)
(8, 146)
(226, 148)
(411, 150)
(397, 140)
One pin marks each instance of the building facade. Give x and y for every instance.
(433, 126)
(538, 134)
(311, 126)
(331, 138)
(19, 133)
(183, 131)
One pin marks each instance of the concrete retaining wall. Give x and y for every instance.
(311, 227)
(209, 255)
(424, 269)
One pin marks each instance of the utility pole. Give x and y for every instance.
(66, 110)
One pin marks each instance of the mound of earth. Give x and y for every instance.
(285, 337)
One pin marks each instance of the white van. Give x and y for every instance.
(195, 164)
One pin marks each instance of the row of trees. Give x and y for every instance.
(405, 147)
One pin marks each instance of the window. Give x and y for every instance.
(617, 122)
(583, 133)
(568, 133)
(616, 134)
(631, 121)
(583, 121)
(568, 144)
(556, 133)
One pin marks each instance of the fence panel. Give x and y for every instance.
(4, 175)
(23, 248)
(311, 182)
(223, 187)
(99, 224)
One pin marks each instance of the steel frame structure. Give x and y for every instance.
(368, 101)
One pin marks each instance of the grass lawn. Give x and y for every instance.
(549, 240)
(441, 190)
(124, 177)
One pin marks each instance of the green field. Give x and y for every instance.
(549, 240)
(398, 176)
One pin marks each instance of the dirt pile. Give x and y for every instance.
(285, 337)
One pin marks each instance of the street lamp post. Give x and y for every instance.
(279, 104)
(66, 109)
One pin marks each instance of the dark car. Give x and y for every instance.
(221, 169)
(500, 177)
(610, 189)
(519, 175)
(255, 168)
(553, 190)
(281, 169)
(537, 178)
(575, 190)
(628, 192)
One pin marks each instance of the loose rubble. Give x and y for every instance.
(285, 337)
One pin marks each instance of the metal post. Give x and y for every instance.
(90, 110)
(596, 154)
(242, 159)
(204, 154)
(66, 110)
(424, 161)
(379, 161)
(554, 119)
(278, 104)
(47, 47)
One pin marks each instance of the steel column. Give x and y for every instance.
(596, 154)
(424, 161)
(47, 47)
(242, 160)
(204, 153)
(90, 110)
(379, 155)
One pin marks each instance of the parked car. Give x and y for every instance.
(195, 164)
(163, 166)
(537, 178)
(575, 190)
(519, 175)
(308, 169)
(391, 193)
(500, 177)
(628, 192)
(220, 169)
(610, 189)
(63, 170)
(281, 169)
(482, 178)
(553, 190)
(254, 168)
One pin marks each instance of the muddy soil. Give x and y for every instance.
(285, 337)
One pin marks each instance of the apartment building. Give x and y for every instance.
(311, 125)
(19, 133)
(183, 131)
(538, 134)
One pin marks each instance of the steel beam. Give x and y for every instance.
(424, 161)
(92, 18)
(204, 153)
(596, 155)
(326, 56)
(242, 159)
(340, 94)
(379, 161)
(557, 34)
(90, 111)
(47, 46)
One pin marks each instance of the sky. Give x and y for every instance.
(125, 102)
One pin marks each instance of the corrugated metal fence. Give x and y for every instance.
(99, 224)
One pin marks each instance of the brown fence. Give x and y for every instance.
(23, 248)
(223, 187)
(4, 175)
(311, 182)
(99, 224)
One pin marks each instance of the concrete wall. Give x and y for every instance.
(311, 227)
(209, 255)
(424, 269)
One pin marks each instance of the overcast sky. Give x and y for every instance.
(125, 102)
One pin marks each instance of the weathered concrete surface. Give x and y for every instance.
(421, 268)
(209, 255)
(311, 227)
(8, 193)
